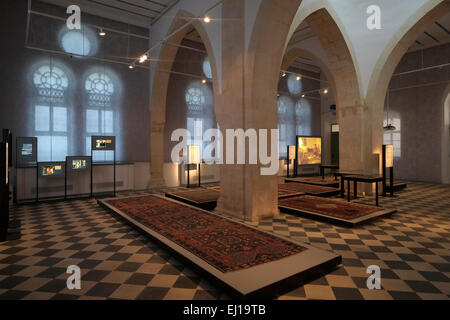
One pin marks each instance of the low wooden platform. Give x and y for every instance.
(318, 181)
(333, 210)
(244, 258)
(398, 186)
(201, 198)
(310, 189)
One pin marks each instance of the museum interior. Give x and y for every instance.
(225, 149)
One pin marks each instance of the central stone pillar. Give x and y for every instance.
(245, 193)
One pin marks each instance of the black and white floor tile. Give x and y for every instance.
(412, 248)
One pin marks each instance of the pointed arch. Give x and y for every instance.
(160, 87)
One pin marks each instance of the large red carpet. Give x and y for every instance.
(224, 244)
(328, 207)
(282, 193)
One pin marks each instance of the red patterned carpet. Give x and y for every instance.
(281, 192)
(307, 188)
(328, 207)
(224, 244)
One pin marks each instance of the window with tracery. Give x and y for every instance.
(100, 111)
(51, 112)
(286, 124)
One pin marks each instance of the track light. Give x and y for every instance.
(102, 33)
(325, 91)
(131, 66)
(284, 74)
(204, 81)
(206, 19)
(143, 58)
(299, 78)
(303, 96)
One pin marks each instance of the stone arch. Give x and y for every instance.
(160, 86)
(356, 148)
(445, 150)
(294, 53)
(399, 45)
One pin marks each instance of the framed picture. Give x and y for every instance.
(82, 163)
(103, 143)
(26, 151)
(51, 169)
(309, 150)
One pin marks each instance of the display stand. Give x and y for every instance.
(311, 157)
(102, 143)
(388, 162)
(50, 170)
(26, 157)
(4, 190)
(291, 156)
(78, 164)
(194, 158)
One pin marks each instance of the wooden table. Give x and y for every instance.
(359, 178)
(327, 166)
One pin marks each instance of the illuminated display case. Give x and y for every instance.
(76, 164)
(103, 143)
(51, 169)
(309, 150)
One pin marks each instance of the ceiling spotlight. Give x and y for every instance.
(204, 81)
(299, 78)
(284, 74)
(325, 91)
(102, 33)
(206, 19)
(303, 95)
(131, 66)
(143, 58)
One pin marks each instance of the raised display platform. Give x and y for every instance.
(202, 198)
(310, 189)
(398, 186)
(282, 192)
(244, 258)
(333, 210)
(318, 181)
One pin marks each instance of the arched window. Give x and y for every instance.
(50, 112)
(286, 124)
(294, 84)
(394, 137)
(303, 117)
(207, 68)
(100, 111)
(199, 105)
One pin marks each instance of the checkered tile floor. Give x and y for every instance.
(412, 247)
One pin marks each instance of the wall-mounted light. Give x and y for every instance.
(206, 19)
(102, 33)
(143, 58)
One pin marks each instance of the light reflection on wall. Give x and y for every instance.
(78, 42)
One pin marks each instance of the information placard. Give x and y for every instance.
(81, 163)
(26, 149)
(309, 150)
(51, 169)
(103, 143)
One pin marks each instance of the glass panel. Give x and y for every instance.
(42, 118)
(108, 121)
(44, 148)
(59, 119)
(59, 148)
(92, 121)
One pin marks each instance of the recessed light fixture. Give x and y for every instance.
(102, 33)
(206, 19)
(143, 58)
